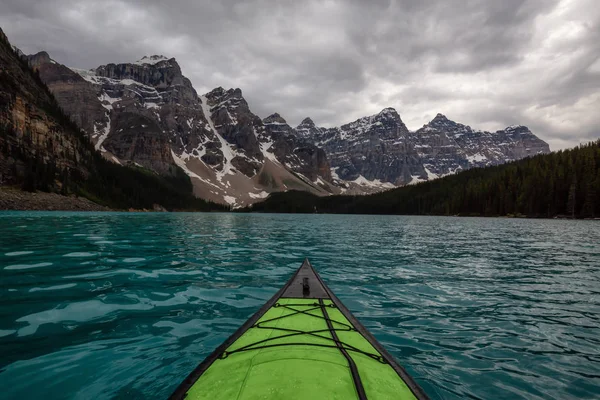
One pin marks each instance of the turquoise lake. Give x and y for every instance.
(125, 305)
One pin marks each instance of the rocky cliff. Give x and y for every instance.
(446, 146)
(375, 148)
(37, 146)
(380, 149)
(149, 114)
(294, 151)
(43, 149)
(76, 96)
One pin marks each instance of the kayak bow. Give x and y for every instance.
(302, 344)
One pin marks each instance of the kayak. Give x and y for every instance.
(302, 344)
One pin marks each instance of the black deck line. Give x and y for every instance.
(412, 385)
(183, 388)
(189, 381)
(360, 390)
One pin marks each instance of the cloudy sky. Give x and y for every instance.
(485, 63)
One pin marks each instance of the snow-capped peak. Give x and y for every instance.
(440, 118)
(388, 112)
(515, 127)
(307, 123)
(151, 60)
(274, 119)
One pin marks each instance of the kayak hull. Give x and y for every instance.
(302, 344)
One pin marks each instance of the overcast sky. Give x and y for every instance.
(485, 63)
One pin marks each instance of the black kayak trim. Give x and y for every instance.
(360, 390)
(410, 382)
(296, 288)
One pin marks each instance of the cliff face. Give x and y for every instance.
(149, 114)
(77, 97)
(380, 148)
(292, 150)
(447, 146)
(233, 121)
(375, 148)
(34, 141)
(150, 109)
(41, 148)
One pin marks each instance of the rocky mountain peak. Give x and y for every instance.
(306, 123)
(308, 129)
(52, 72)
(216, 95)
(152, 60)
(149, 70)
(274, 119)
(388, 113)
(440, 117)
(237, 92)
(516, 129)
(154, 79)
(385, 124)
(442, 122)
(231, 100)
(218, 91)
(35, 60)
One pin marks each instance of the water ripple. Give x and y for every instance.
(105, 305)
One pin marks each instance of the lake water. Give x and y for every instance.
(125, 305)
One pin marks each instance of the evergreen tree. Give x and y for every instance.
(572, 200)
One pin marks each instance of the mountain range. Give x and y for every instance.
(43, 149)
(148, 114)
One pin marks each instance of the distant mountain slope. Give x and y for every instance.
(380, 147)
(147, 113)
(563, 183)
(41, 148)
(447, 146)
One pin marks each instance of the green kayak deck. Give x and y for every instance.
(302, 344)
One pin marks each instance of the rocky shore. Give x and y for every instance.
(15, 199)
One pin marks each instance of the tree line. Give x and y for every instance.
(564, 183)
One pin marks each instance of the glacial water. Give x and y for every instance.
(125, 305)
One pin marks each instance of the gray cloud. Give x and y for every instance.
(483, 63)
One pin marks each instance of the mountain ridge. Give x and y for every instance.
(561, 184)
(439, 148)
(148, 113)
(43, 149)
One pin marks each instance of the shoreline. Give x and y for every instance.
(15, 199)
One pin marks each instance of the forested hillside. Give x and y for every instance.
(563, 183)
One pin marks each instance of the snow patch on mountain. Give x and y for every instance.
(375, 183)
(148, 95)
(476, 158)
(265, 147)
(151, 60)
(430, 175)
(102, 135)
(181, 164)
(228, 153)
(230, 200)
(416, 179)
(260, 195)
(334, 174)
